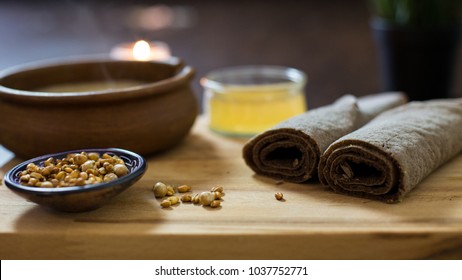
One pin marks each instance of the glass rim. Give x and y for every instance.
(294, 78)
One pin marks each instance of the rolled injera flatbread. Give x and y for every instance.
(290, 151)
(390, 155)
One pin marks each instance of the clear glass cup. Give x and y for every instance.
(247, 100)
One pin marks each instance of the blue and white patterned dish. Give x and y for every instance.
(77, 198)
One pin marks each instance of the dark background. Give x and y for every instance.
(330, 40)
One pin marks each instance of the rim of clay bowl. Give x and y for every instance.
(137, 169)
(183, 73)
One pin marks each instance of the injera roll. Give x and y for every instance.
(290, 151)
(389, 156)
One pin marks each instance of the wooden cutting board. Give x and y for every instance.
(312, 222)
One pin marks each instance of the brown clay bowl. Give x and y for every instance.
(146, 118)
(77, 198)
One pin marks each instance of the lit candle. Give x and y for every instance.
(141, 50)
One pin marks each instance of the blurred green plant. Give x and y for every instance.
(418, 12)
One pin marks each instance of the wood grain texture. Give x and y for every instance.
(312, 222)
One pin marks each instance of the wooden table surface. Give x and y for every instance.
(312, 223)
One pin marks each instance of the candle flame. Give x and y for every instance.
(141, 50)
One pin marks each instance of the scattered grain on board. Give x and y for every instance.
(211, 198)
(279, 195)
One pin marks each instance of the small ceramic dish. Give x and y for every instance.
(77, 198)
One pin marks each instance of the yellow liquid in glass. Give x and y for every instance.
(250, 112)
